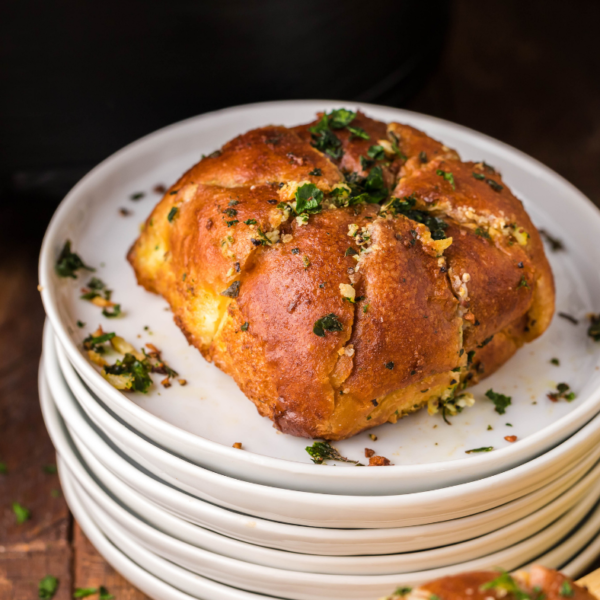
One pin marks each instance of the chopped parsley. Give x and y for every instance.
(501, 402)
(96, 343)
(594, 328)
(449, 177)
(329, 323)
(402, 591)
(324, 139)
(172, 214)
(22, 514)
(350, 252)
(523, 283)
(68, 263)
(358, 132)
(479, 176)
(80, 324)
(339, 118)
(562, 393)
(50, 469)
(112, 312)
(389, 365)
(139, 379)
(137, 196)
(232, 223)
(483, 233)
(395, 146)
(104, 594)
(366, 163)
(230, 212)
(244, 327)
(250, 222)
(322, 451)
(566, 590)
(423, 156)
(376, 152)
(295, 250)
(316, 172)
(233, 291)
(482, 449)
(85, 592)
(555, 361)
(95, 288)
(308, 199)
(47, 587)
(505, 585)
(406, 207)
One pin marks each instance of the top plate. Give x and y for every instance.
(201, 421)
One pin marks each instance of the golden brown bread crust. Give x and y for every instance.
(539, 583)
(423, 304)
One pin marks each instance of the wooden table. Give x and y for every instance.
(525, 73)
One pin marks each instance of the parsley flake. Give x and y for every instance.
(47, 587)
(244, 327)
(358, 132)
(68, 263)
(322, 451)
(104, 594)
(505, 585)
(316, 172)
(562, 393)
(389, 365)
(308, 199)
(376, 152)
(501, 402)
(406, 207)
(85, 592)
(340, 117)
(329, 323)
(22, 514)
(139, 379)
(449, 177)
(482, 449)
(566, 590)
(172, 214)
(594, 328)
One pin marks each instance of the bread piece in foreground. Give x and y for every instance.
(539, 583)
(344, 282)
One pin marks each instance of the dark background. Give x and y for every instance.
(80, 79)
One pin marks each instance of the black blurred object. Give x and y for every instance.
(81, 79)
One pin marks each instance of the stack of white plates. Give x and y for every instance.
(156, 485)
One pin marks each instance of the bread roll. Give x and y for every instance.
(347, 272)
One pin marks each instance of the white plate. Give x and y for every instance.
(579, 566)
(309, 586)
(320, 510)
(153, 577)
(202, 420)
(198, 544)
(309, 540)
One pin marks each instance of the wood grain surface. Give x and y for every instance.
(525, 73)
